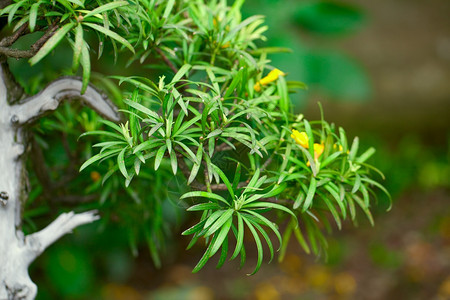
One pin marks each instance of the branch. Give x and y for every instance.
(65, 223)
(49, 99)
(16, 53)
(9, 40)
(48, 34)
(166, 60)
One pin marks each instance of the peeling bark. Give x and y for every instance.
(17, 251)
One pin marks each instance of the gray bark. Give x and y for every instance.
(17, 251)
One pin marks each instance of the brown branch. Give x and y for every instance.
(48, 34)
(16, 53)
(9, 40)
(166, 60)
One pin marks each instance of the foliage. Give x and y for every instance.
(223, 111)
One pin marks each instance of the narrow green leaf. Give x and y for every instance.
(204, 195)
(204, 206)
(168, 9)
(353, 149)
(366, 155)
(77, 47)
(205, 256)
(196, 228)
(51, 43)
(223, 254)
(220, 221)
(106, 7)
(263, 220)
(270, 205)
(121, 162)
(239, 237)
(98, 157)
(223, 233)
(159, 156)
(310, 194)
(33, 16)
(181, 72)
(225, 180)
(111, 34)
(85, 61)
(173, 162)
(258, 246)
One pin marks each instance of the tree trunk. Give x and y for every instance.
(17, 251)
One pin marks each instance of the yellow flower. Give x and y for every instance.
(318, 150)
(300, 138)
(272, 76)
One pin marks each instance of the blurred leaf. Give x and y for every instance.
(329, 17)
(70, 271)
(337, 75)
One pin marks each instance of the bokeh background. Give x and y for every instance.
(381, 69)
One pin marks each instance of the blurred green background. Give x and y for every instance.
(381, 69)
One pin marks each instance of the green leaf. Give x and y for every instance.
(78, 46)
(227, 215)
(187, 125)
(168, 9)
(173, 162)
(263, 220)
(239, 237)
(196, 228)
(159, 156)
(33, 15)
(252, 181)
(332, 210)
(205, 256)
(204, 206)
(51, 43)
(181, 72)
(149, 144)
(270, 205)
(366, 155)
(98, 157)
(225, 180)
(106, 7)
(110, 34)
(121, 162)
(237, 176)
(283, 93)
(364, 208)
(236, 80)
(205, 195)
(310, 194)
(85, 61)
(353, 149)
(221, 236)
(258, 246)
(223, 254)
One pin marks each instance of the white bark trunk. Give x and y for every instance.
(17, 251)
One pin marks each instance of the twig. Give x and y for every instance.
(48, 34)
(9, 40)
(16, 53)
(166, 60)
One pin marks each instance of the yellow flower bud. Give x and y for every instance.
(300, 138)
(272, 76)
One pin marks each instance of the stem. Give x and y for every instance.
(166, 60)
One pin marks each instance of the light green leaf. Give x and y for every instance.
(204, 195)
(51, 43)
(33, 15)
(106, 7)
(110, 34)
